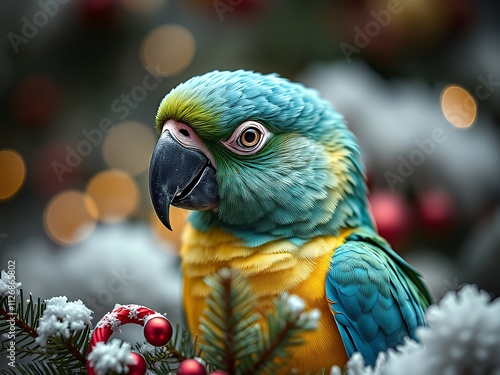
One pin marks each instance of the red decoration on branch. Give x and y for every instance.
(139, 367)
(191, 367)
(157, 330)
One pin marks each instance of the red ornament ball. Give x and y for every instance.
(158, 331)
(139, 367)
(191, 367)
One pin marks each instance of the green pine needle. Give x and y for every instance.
(228, 324)
(233, 338)
(284, 330)
(59, 356)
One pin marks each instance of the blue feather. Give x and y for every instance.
(375, 301)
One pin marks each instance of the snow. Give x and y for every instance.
(5, 281)
(61, 318)
(113, 356)
(313, 317)
(465, 333)
(133, 313)
(110, 319)
(295, 304)
(463, 337)
(225, 273)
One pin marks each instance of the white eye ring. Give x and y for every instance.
(248, 138)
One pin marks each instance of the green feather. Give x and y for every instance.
(287, 189)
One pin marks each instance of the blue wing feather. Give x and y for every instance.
(376, 297)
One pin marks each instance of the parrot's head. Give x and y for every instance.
(258, 155)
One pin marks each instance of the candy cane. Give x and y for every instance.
(157, 331)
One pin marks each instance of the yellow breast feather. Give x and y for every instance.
(271, 269)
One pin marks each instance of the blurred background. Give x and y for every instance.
(80, 81)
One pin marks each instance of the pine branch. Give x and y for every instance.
(74, 352)
(228, 322)
(40, 368)
(268, 352)
(59, 356)
(29, 316)
(19, 323)
(233, 339)
(285, 329)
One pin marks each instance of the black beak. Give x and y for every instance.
(181, 177)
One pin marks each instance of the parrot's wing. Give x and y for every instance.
(377, 299)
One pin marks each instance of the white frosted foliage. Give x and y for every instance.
(61, 318)
(114, 356)
(463, 338)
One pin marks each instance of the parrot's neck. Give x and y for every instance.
(344, 207)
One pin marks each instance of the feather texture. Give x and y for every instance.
(293, 217)
(373, 297)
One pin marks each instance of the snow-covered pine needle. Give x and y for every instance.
(113, 356)
(61, 318)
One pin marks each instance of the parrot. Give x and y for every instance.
(276, 186)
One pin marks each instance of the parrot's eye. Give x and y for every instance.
(248, 138)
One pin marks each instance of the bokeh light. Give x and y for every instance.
(458, 106)
(168, 50)
(142, 6)
(129, 147)
(12, 173)
(436, 210)
(392, 216)
(178, 219)
(70, 217)
(115, 193)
